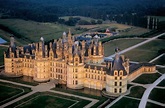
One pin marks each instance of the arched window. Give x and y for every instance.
(116, 73)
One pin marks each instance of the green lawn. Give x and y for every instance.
(121, 44)
(9, 92)
(161, 70)
(126, 103)
(101, 99)
(151, 105)
(160, 61)
(50, 100)
(162, 83)
(146, 52)
(147, 78)
(32, 31)
(137, 92)
(46, 101)
(157, 95)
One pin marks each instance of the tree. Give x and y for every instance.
(99, 21)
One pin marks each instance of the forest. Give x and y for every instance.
(131, 12)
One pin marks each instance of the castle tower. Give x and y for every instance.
(75, 70)
(116, 77)
(41, 64)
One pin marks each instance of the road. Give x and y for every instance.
(144, 98)
(137, 45)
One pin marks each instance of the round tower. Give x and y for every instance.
(116, 78)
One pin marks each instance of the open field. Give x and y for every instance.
(137, 92)
(66, 18)
(162, 83)
(109, 47)
(34, 30)
(50, 100)
(9, 92)
(160, 61)
(146, 52)
(151, 105)
(100, 98)
(157, 95)
(126, 103)
(147, 78)
(161, 70)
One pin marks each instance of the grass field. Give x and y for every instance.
(147, 78)
(50, 100)
(66, 18)
(47, 101)
(151, 105)
(160, 61)
(126, 103)
(161, 70)
(109, 47)
(34, 30)
(101, 99)
(157, 95)
(146, 52)
(9, 92)
(137, 92)
(162, 83)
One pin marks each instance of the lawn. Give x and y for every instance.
(146, 52)
(161, 70)
(137, 92)
(120, 43)
(100, 98)
(32, 31)
(47, 101)
(50, 100)
(160, 61)
(9, 92)
(157, 95)
(151, 105)
(147, 78)
(162, 83)
(126, 103)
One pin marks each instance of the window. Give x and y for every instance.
(115, 78)
(120, 78)
(115, 90)
(76, 82)
(86, 75)
(115, 83)
(98, 77)
(120, 83)
(75, 70)
(73, 82)
(116, 73)
(120, 90)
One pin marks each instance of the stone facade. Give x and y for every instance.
(74, 63)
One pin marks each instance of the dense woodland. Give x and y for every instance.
(131, 12)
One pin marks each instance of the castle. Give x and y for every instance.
(74, 63)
